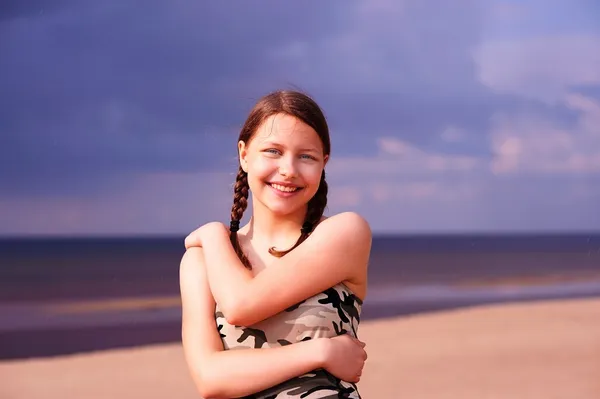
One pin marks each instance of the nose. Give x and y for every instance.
(287, 167)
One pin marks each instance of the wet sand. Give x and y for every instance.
(546, 349)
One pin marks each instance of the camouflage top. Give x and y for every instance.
(333, 312)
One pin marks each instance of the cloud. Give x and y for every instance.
(537, 170)
(15, 9)
(398, 158)
(154, 203)
(525, 143)
(93, 90)
(553, 69)
(474, 201)
(392, 64)
(98, 89)
(387, 65)
(453, 134)
(464, 200)
(543, 68)
(403, 187)
(121, 120)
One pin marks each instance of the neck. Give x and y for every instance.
(276, 230)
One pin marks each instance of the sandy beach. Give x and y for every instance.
(545, 350)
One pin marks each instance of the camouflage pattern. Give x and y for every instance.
(333, 312)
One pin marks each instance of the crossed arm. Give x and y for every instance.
(225, 374)
(337, 251)
(213, 273)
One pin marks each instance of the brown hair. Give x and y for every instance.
(304, 108)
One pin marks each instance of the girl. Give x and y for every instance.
(294, 312)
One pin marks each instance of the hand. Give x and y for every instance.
(196, 237)
(345, 357)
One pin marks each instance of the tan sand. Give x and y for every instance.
(544, 350)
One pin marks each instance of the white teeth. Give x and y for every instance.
(284, 188)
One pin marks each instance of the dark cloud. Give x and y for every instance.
(100, 88)
(103, 105)
(14, 9)
(592, 91)
(90, 91)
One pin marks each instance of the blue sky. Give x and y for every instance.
(121, 117)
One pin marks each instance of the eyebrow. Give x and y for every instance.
(275, 143)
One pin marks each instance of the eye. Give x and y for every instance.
(272, 151)
(306, 156)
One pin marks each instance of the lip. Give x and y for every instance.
(284, 184)
(284, 194)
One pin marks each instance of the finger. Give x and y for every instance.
(358, 341)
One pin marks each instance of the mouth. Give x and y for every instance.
(285, 188)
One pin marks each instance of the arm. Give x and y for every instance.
(218, 373)
(337, 251)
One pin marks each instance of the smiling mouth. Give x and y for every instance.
(285, 189)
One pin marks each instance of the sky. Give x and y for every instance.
(467, 116)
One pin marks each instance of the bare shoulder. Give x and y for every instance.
(345, 239)
(349, 225)
(193, 238)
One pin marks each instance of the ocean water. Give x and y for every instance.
(42, 269)
(407, 275)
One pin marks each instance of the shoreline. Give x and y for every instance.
(532, 350)
(71, 327)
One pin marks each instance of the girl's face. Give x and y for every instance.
(284, 160)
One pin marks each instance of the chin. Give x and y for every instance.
(282, 210)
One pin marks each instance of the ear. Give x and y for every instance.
(325, 159)
(243, 153)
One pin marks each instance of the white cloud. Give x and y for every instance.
(542, 68)
(167, 203)
(434, 190)
(341, 197)
(406, 176)
(530, 144)
(547, 179)
(396, 157)
(435, 201)
(547, 69)
(384, 45)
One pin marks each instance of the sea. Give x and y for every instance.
(68, 295)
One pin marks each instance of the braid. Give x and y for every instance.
(316, 207)
(317, 204)
(240, 203)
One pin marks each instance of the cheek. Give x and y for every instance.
(259, 170)
(312, 176)
(259, 165)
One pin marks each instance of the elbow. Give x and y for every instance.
(205, 392)
(208, 393)
(207, 386)
(234, 320)
(204, 378)
(238, 313)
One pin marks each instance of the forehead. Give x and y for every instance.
(287, 130)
